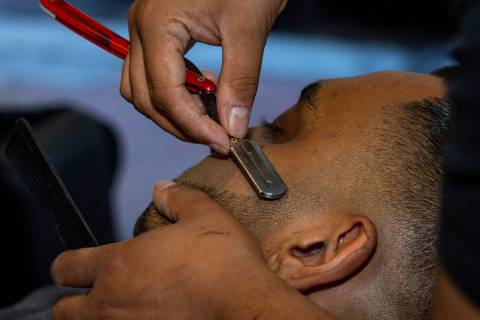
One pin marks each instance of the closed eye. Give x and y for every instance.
(266, 133)
(310, 92)
(270, 126)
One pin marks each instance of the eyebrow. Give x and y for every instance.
(310, 91)
(306, 95)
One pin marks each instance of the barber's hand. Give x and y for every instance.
(162, 31)
(201, 267)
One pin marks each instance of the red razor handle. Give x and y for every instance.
(95, 32)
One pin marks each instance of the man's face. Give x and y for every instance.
(326, 148)
(340, 151)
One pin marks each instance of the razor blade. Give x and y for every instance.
(258, 170)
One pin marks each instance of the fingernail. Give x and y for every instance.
(238, 122)
(162, 185)
(160, 198)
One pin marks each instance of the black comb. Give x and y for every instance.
(27, 157)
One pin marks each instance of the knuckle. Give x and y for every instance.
(125, 92)
(115, 265)
(56, 270)
(245, 87)
(137, 101)
(157, 96)
(194, 130)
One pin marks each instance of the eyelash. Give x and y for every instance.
(270, 126)
(271, 130)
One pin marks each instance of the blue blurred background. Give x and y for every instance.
(43, 63)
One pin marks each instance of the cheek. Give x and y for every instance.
(221, 174)
(294, 160)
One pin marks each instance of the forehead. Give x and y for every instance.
(342, 106)
(388, 86)
(366, 96)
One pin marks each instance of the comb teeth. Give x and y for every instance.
(33, 167)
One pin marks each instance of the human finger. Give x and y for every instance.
(165, 69)
(179, 202)
(78, 268)
(140, 96)
(72, 308)
(238, 83)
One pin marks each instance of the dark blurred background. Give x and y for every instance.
(110, 155)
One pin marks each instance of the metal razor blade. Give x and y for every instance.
(257, 168)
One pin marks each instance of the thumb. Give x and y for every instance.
(238, 83)
(177, 202)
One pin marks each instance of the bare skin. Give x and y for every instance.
(162, 31)
(328, 132)
(329, 255)
(156, 276)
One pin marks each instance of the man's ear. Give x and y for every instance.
(325, 251)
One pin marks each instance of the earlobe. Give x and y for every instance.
(326, 254)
